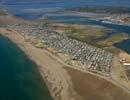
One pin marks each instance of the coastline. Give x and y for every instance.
(69, 82)
(16, 72)
(54, 73)
(56, 78)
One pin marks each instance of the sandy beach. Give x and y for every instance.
(53, 72)
(63, 82)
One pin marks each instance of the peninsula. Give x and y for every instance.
(72, 69)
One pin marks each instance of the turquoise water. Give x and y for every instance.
(19, 76)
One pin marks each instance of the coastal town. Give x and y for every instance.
(118, 19)
(91, 58)
(72, 68)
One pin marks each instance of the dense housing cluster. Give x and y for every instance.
(93, 59)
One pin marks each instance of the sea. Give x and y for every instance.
(19, 76)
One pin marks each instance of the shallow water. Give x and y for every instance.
(124, 45)
(30, 9)
(19, 76)
(19, 8)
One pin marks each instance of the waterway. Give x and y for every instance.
(124, 45)
(19, 76)
(29, 9)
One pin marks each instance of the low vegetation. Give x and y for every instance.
(113, 39)
(2, 12)
(102, 9)
(84, 33)
(95, 35)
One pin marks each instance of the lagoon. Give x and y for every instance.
(31, 10)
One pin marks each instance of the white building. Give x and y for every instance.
(126, 64)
